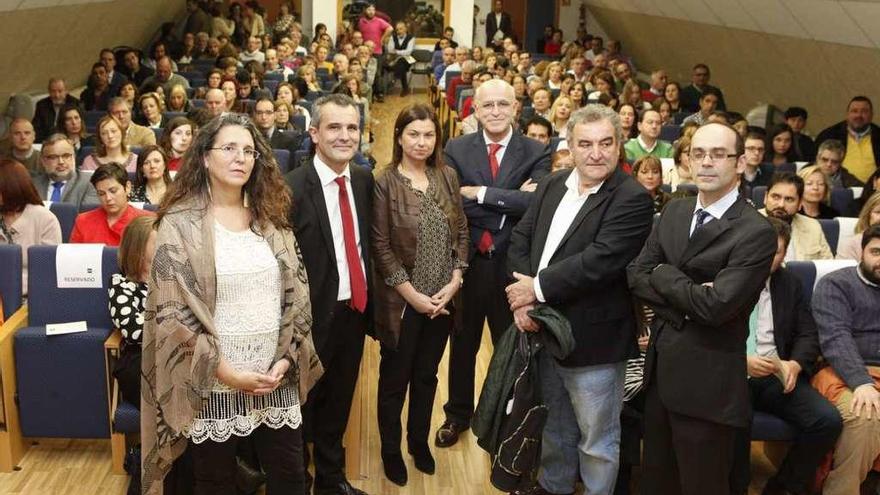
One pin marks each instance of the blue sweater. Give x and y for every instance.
(847, 311)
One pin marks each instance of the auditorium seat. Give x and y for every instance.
(758, 193)
(61, 379)
(92, 118)
(10, 279)
(670, 133)
(283, 159)
(842, 199)
(171, 115)
(810, 272)
(66, 214)
(831, 229)
(198, 103)
(156, 132)
(273, 76)
(271, 85)
(847, 227)
(299, 121)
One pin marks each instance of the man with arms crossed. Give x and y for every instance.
(701, 271)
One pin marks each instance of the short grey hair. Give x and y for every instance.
(338, 99)
(595, 113)
(52, 140)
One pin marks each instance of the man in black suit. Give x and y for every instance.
(692, 93)
(115, 77)
(701, 272)
(264, 119)
(498, 25)
(331, 218)
(781, 353)
(47, 110)
(497, 169)
(570, 251)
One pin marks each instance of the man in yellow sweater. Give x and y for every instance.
(860, 137)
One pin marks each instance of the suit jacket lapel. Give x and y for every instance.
(361, 205)
(710, 231)
(481, 160)
(512, 158)
(545, 217)
(593, 201)
(316, 195)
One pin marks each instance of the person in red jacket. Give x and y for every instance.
(106, 224)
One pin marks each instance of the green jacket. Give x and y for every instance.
(515, 356)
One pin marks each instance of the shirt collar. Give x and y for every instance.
(645, 146)
(573, 183)
(505, 141)
(326, 174)
(720, 207)
(859, 135)
(865, 279)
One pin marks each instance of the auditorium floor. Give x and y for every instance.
(74, 467)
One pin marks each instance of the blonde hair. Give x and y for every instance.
(809, 170)
(865, 215)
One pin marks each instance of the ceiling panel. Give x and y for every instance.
(867, 17)
(698, 11)
(825, 20)
(732, 14)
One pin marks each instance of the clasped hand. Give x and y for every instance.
(521, 297)
(253, 383)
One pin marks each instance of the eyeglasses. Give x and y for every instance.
(231, 152)
(264, 112)
(500, 105)
(714, 155)
(755, 149)
(54, 158)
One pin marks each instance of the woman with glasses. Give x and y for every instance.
(228, 286)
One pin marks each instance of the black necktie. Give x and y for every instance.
(702, 216)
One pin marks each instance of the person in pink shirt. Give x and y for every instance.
(377, 30)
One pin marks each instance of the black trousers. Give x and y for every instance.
(631, 427)
(412, 365)
(818, 423)
(684, 455)
(281, 456)
(483, 298)
(401, 71)
(128, 374)
(325, 414)
(379, 81)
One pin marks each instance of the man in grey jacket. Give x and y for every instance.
(58, 181)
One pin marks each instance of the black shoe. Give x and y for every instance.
(395, 469)
(379, 98)
(341, 488)
(423, 459)
(448, 434)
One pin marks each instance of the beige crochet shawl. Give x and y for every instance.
(180, 346)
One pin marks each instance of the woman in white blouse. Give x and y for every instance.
(227, 284)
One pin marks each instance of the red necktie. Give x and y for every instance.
(355, 272)
(486, 239)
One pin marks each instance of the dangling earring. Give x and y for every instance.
(208, 185)
(245, 201)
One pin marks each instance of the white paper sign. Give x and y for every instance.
(78, 266)
(63, 328)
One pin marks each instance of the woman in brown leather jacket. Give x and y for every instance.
(420, 244)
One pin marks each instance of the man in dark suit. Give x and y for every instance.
(47, 110)
(860, 137)
(58, 181)
(264, 118)
(331, 218)
(781, 353)
(497, 169)
(498, 25)
(115, 77)
(692, 93)
(570, 251)
(701, 271)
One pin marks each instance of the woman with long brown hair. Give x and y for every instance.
(420, 247)
(228, 286)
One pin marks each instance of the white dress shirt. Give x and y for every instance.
(765, 345)
(716, 210)
(565, 213)
(331, 198)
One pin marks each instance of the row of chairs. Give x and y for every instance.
(71, 373)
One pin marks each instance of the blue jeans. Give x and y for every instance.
(583, 425)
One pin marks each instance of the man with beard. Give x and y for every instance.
(59, 180)
(860, 138)
(783, 201)
(846, 305)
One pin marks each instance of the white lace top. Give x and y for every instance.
(247, 316)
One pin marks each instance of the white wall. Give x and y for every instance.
(569, 19)
(461, 13)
